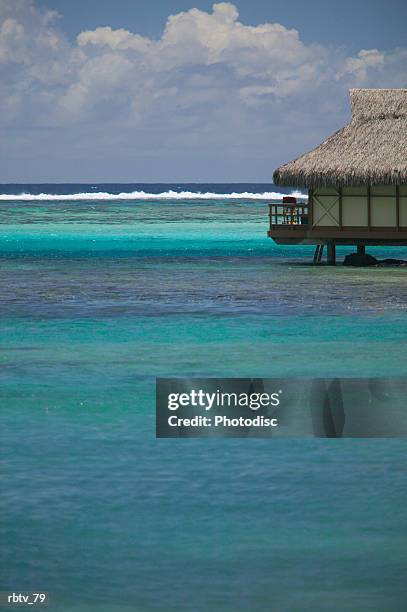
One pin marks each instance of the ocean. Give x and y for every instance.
(106, 287)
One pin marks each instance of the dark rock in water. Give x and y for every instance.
(357, 259)
(393, 262)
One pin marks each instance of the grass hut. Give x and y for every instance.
(356, 180)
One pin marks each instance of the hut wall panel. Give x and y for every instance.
(383, 206)
(354, 211)
(383, 211)
(403, 210)
(326, 191)
(383, 190)
(359, 191)
(322, 204)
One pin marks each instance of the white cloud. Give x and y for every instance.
(11, 41)
(361, 65)
(120, 40)
(375, 68)
(208, 81)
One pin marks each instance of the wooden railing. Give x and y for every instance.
(288, 215)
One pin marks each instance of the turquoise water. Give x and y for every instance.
(99, 298)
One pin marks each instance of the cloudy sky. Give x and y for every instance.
(137, 90)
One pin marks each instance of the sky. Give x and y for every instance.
(183, 91)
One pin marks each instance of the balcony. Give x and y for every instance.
(288, 214)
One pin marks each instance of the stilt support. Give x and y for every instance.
(319, 249)
(331, 254)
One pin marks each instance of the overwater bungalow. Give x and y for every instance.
(356, 181)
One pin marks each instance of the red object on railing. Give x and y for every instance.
(289, 200)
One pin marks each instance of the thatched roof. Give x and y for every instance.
(370, 150)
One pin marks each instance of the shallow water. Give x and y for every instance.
(97, 299)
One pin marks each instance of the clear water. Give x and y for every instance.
(100, 297)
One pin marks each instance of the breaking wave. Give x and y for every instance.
(142, 195)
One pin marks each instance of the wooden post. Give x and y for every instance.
(321, 252)
(361, 249)
(331, 253)
(340, 208)
(319, 249)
